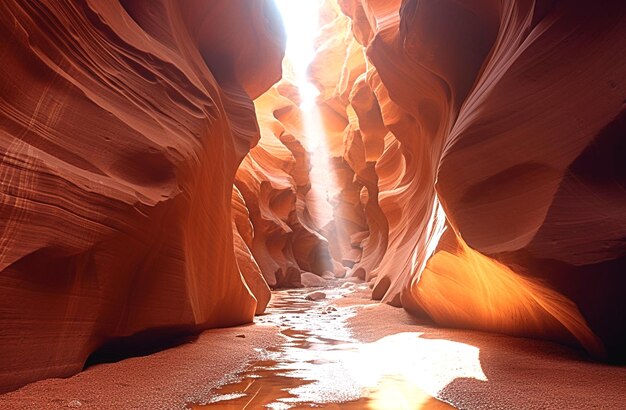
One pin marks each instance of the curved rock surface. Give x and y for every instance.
(117, 164)
(304, 201)
(478, 123)
(243, 237)
(338, 63)
(291, 227)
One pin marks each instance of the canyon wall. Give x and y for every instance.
(274, 179)
(122, 124)
(492, 135)
(476, 178)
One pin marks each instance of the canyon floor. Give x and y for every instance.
(342, 351)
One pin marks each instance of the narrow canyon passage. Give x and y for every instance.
(285, 204)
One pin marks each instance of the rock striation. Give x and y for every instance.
(122, 124)
(274, 179)
(495, 133)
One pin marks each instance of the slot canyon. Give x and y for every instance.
(287, 204)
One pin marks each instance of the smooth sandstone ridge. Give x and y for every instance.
(122, 124)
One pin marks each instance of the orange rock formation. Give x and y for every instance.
(121, 127)
(502, 122)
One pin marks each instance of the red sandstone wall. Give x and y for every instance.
(121, 127)
(510, 115)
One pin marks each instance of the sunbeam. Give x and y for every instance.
(301, 21)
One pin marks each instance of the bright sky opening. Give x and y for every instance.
(301, 19)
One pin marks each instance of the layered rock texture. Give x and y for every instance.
(122, 124)
(274, 180)
(492, 135)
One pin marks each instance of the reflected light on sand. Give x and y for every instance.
(394, 393)
(406, 368)
(321, 364)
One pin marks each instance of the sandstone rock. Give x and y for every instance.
(478, 138)
(275, 183)
(245, 261)
(315, 296)
(309, 279)
(121, 128)
(479, 178)
(328, 275)
(328, 309)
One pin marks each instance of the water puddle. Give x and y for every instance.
(319, 365)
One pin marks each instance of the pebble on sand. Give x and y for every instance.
(317, 295)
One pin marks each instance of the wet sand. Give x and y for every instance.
(319, 365)
(344, 351)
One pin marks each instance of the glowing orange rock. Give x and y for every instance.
(275, 181)
(364, 146)
(488, 117)
(464, 288)
(243, 236)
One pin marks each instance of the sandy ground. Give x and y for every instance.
(169, 379)
(520, 373)
(470, 370)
